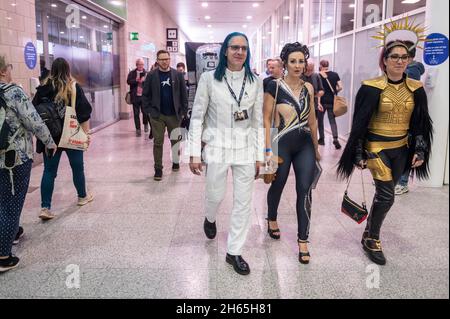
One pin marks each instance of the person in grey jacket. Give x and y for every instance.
(16, 161)
(165, 100)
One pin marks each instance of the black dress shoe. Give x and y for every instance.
(239, 264)
(210, 229)
(374, 251)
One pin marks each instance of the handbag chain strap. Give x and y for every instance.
(363, 188)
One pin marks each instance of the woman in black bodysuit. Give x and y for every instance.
(292, 114)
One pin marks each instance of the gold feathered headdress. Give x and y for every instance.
(403, 30)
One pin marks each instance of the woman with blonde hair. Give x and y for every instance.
(58, 89)
(19, 121)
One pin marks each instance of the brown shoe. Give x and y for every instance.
(46, 214)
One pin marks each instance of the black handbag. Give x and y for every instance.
(352, 209)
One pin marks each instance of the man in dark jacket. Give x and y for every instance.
(165, 100)
(136, 80)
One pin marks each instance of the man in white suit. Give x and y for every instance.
(227, 119)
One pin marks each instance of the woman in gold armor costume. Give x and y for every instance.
(391, 133)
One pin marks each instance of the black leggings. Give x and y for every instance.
(384, 197)
(295, 147)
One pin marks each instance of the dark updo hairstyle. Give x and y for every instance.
(390, 46)
(291, 48)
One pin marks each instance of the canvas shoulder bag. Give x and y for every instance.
(340, 105)
(73, 136)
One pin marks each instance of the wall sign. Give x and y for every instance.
(436, 49)
(172, 46)
(30, 55)
(172, 34)
(134, 36)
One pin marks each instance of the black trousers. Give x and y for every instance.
(296, 148)
(395, 159)
(137, 109)
(328, 108)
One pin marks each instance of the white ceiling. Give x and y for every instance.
(226, 16)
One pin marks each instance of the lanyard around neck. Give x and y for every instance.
(234, 94)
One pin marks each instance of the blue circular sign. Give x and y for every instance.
(436, 49)
(30, 55)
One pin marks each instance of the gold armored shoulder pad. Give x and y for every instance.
(378, 82)
(413, 85)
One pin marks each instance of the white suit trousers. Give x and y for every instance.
(216, 185)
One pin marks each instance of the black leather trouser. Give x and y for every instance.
(384, 197)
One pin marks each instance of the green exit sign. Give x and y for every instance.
(134, 36)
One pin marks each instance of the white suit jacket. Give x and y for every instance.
(212, 119)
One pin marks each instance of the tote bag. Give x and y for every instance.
(73, 136)
(340, 105)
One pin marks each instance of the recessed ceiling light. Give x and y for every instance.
(351, 5)
(209, 26)
(302, 5)
(205, 4)
(83, 17)
(249, 17)
(207, 18)
(410, 1)
(270, 32)
(255, 5)
(8, 18)
(105, 26)
(329, 18)
(54, 5)
(116, 3)
(286, 17)
(263, 38)
(81, 37)
(14, 4)
(62, 32)
(38, 25)
(244, 26)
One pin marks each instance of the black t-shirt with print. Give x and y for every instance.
(167, 107)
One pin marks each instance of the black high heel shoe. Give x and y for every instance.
(302, 254)
(272, 232)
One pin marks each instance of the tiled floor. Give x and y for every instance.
(144, 239)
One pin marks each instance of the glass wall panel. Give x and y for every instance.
(88, 47)
(314, 20)
(327, 27)
(300, 19)
(369, 11)
(345, 16)
(366, 58)
(395, 7)
(343, 66)
(283, 19)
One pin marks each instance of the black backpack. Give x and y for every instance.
(49, 114)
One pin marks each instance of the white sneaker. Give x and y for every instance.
(83, 201)
(46, 214)
(400, 190)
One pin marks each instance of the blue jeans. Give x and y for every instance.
(404, 179)
(11, 205)
(51, 171)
